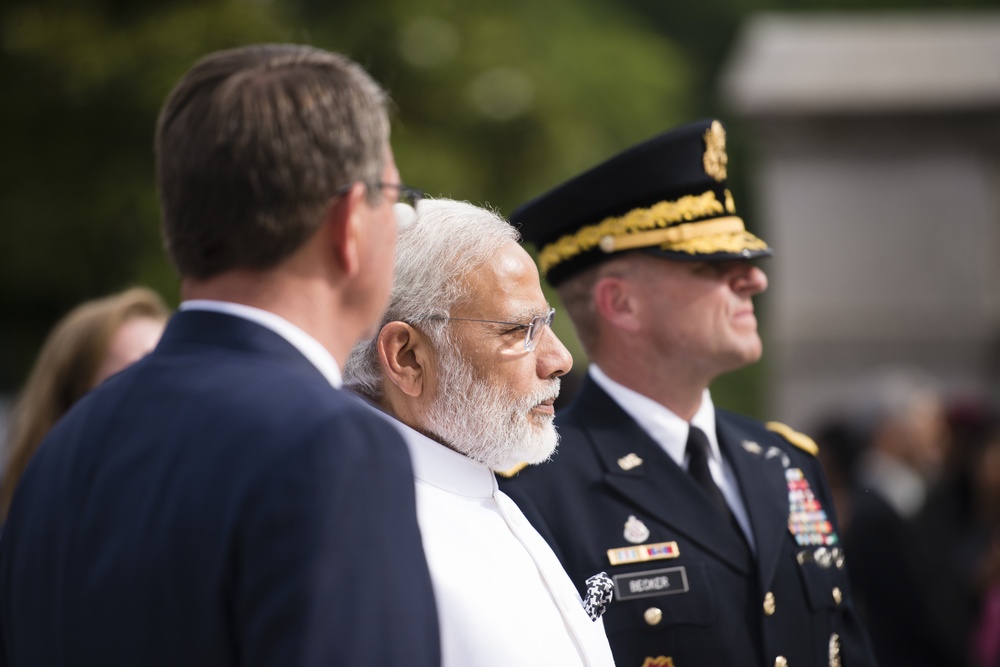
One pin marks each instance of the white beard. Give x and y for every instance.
(484, 422)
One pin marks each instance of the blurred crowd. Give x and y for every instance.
(916, 480)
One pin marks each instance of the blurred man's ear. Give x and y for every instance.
(615, 301)
(341, 228)
(403, 353)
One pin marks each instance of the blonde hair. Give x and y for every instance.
(66, 369)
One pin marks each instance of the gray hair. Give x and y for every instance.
(450, 240)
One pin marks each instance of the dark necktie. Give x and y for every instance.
(698, 452)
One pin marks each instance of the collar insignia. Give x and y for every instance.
(629, 461)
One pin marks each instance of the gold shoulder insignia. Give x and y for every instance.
(512, 471)
(800, 440)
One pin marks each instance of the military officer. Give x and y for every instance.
(718, 531)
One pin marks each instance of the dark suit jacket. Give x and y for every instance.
(218, 503)
(707, 602)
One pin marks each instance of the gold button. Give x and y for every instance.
(653, 615)
(780, 661)
(769, 604)
(837, 595)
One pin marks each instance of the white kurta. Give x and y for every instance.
(503, 599)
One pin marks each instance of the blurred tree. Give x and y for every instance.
(497, 102)
(83, 82)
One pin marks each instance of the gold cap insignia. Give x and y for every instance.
(715, 158)
(629, 461)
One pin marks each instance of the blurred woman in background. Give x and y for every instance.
(92, 342)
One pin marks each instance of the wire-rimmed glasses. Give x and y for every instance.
(533, 329)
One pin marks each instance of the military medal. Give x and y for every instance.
(640, 554)
(636, 531)
(807, 520)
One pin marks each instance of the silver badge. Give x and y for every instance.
(752, 447)
(636, 531)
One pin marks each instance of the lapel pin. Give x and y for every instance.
(631, 460)
(600, 590)
(752, 447)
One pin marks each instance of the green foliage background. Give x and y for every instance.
(497, 101)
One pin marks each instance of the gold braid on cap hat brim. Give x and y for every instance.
(646, 227)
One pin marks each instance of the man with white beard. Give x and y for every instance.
(466, 360)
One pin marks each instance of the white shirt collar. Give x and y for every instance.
(444, 468)
(310, 348)
(663, 426)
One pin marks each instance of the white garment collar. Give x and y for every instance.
(310, 348)
(446, 469)
(662, 425)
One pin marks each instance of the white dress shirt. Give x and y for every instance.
(503, 598)
(670, 432)
(310, 348)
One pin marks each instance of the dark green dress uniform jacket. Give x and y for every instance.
(691, 593)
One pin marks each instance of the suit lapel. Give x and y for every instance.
(764, 492)
(657, 485)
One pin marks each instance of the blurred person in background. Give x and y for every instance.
(904, 551)
(719, 531)
(223, 501)
(91, 343)
(979, 549)
(466, 359)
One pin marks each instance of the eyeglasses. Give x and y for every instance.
(405, 208)
(407, 195)
(533, 329)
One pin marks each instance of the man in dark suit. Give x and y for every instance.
(222, 502)
(718, 531)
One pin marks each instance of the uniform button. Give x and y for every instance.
(769, 607)
(653, 615)
(780, 661)
(837, 595)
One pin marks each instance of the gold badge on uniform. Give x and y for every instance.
(644, 552)
(659, 661)
(752, 447)
(636, 531)
(631, 460)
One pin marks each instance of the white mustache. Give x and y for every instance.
(549, 392)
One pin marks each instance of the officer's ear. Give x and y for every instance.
(617, 302)
(403, 352)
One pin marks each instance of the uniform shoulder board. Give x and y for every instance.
(800, 440)
(513, 471)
